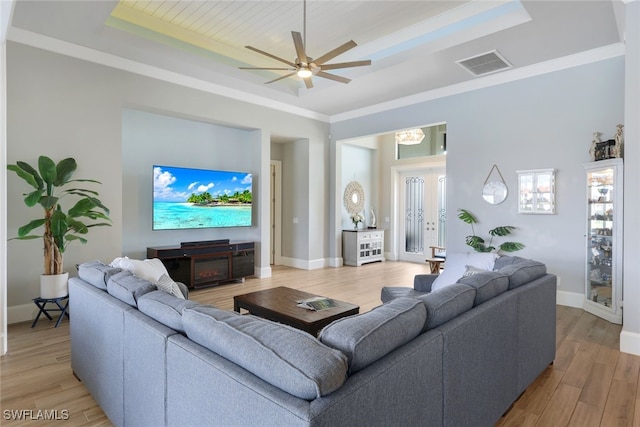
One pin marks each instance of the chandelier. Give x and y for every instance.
(409, 137)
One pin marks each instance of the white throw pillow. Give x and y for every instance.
(456, 265)
(165, 283)
(152, 270)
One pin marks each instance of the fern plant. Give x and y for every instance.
(479, 244)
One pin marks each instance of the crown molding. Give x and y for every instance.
(61, 47)
(91, 55)
(576, 60)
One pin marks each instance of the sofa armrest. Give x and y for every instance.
(184, 289)
(423, 282)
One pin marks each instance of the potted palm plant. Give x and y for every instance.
(479, 244)
(50, 184)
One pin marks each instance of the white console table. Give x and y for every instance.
(362, 246)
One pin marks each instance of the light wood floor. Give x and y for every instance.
(590, 384)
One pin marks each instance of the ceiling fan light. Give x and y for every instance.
(304, 73)
(409, 137)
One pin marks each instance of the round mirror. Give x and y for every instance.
(354, 197)
(494, 192)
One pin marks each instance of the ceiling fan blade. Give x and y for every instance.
(265, 68)
(335, 52)
(333, 77)
(346, 65)
(297, 42)
(280, 78)
(308, 83)
(270, 55)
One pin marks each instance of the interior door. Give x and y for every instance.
(422, 207)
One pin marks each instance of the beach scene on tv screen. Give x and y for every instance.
(199, 198)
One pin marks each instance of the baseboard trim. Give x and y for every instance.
(336, 262)
(630, 342)
(21, 313)
(304, 264)
(262, 272)
(570, 299)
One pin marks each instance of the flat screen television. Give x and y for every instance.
(185, 198)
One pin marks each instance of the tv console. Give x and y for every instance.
(204, 243)
(206, 263)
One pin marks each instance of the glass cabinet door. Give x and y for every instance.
(604, 239)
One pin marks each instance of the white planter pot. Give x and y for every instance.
(54, 286)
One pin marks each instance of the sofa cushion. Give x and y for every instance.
(389, 293)
(165, 308)
(446, 303)
(487, 284)
(128, 288)
(456, 265)
(521, 270)
(367, 337)
(288, 358)
(97, 273)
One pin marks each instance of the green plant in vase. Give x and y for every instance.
(479, 244)
(51, 185)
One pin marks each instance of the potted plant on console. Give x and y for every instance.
(50, 186)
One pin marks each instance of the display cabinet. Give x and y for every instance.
(603, 293)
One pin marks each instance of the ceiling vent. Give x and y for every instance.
(486, 63)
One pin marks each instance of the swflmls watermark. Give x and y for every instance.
(35, 414)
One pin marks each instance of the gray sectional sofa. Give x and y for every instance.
(458, 356)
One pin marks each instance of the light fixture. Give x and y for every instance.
(304, 72)
(409, 137)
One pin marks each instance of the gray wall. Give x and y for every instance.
(541, 122)
(62, 107)
(358, 164)
(152, 139)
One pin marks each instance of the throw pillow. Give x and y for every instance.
(471, 270)
(166, 284)
(455, 266)
(152, 270)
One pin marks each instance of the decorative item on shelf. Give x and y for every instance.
(60, 228)
(494, 190)
(609, 149)
(618, 146)
(356, 219)
(372, 223)
(479, 244)
(594, 143)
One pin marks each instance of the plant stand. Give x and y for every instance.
(42, 303)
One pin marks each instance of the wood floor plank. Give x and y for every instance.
(585, 415)
(561, 405)
(590, 382)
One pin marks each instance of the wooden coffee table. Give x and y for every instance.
(279, 304)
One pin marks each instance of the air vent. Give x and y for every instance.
(486, 63)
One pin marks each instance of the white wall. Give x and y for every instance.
(630, 337)
(541, 122)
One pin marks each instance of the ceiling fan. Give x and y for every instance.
(304, 66)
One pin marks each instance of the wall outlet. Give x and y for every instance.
(295, 220)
